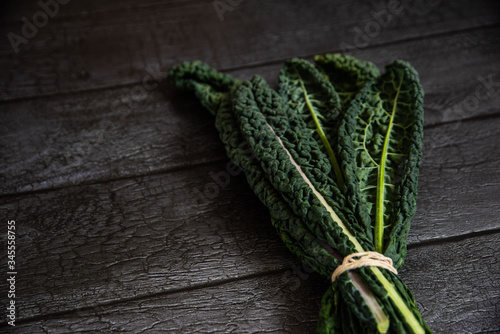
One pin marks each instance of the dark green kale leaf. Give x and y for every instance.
(209, 85)
(347, 74)
(296, 166)
(381, 138)
(314, 98)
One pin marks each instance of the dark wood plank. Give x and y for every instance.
(455, 283)
(71, 139)
(459, 179)
(93, 137)
(280, 303)
(87, 245)
(106, 242)
(97, 49)
(13, 12)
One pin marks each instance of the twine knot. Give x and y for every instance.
(364, 259)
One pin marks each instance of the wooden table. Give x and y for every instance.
(108, 171)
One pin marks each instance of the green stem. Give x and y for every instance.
(399, 302)
(379, 217)
(379, 315)
(324, 140)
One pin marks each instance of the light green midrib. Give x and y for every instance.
(324, 140)
(379, 206)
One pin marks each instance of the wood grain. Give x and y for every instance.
(144, 235)
(91, 49)
(137, 237)
(464, 283)
(447, 279)
(459, 177)
(107, 134)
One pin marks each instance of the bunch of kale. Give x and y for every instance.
(334, 155)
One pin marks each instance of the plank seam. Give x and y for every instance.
(254, 65)
(194, 287)
(57, 315)
(455, 238)
(197, 165)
